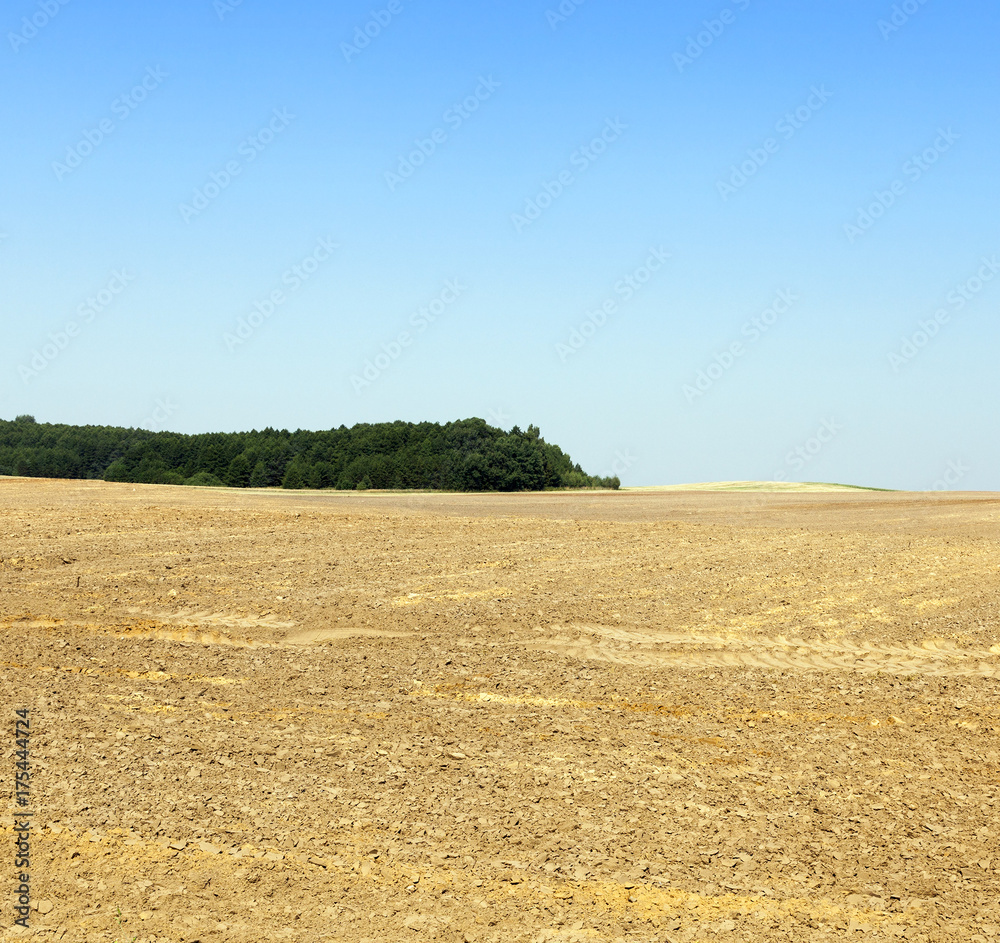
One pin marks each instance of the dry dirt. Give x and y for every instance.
(797, 486)
(650, 717)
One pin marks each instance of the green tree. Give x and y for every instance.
(258, 477)
(293, 476)
(321, 475)
(465, 455)
(238, 473)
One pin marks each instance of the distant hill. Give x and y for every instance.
(467, 455)
(773, 486)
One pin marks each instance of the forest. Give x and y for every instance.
(465, 455)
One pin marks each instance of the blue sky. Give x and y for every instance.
(224, 216)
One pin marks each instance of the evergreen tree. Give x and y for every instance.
(258, 477)
(293, 477)
(238, 473)
(465, 455)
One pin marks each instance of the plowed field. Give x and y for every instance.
(669, 716)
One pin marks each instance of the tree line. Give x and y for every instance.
(466, 455)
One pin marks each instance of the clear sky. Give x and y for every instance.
(227, 215)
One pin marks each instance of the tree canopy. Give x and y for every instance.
(466, 455)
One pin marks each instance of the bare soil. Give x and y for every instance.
(659, 716)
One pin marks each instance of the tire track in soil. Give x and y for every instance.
(933, 658)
